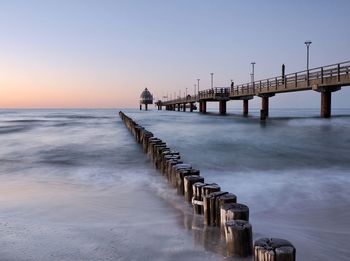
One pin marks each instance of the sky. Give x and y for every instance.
(102, 54)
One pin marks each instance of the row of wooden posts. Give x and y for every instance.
(218, 207)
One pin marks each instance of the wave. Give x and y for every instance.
(14, 129)
(78, 116)
(25, 121)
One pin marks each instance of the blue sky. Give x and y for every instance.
(108, 51)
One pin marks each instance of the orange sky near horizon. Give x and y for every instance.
(44, 96)
(39, 87)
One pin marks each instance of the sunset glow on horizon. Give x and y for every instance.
(92, 54)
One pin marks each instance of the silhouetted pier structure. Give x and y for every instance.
(325, 80)
(146, 98)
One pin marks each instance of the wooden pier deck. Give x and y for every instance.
(325, 80)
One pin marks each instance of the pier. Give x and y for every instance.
(325, 80)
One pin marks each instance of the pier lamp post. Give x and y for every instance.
(252, 75)
(198, 85)
(195, 88)
(307, 43)
(212, 80)
(186, 93)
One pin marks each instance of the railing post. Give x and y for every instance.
(338, 72)
(260, 85)
(321, 75)
(276, 82)
(296, 80)
(268, 84)
(285, 82)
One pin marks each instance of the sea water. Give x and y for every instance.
(74, 184)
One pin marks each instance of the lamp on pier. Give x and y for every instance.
(252, 74)
(307, 43)
(198, 85)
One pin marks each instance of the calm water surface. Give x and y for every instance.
(74, 185)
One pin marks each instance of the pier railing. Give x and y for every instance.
(216, 93)
(334, 74)
(294, 81)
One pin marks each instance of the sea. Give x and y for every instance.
(75, 185)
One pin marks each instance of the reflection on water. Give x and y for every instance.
(75, 186)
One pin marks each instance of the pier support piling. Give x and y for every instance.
(184, 107)
(264, 112)
(191, 107)
(265, 105)
(222, 107)
(178, 107)
(203, 106)
(326, 103)
(326, 99)
(245, 108)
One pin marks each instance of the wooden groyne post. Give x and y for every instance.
(219, 208)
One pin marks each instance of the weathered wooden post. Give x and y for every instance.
(210, 188)
(151, 143)
(210, 209)
(197, 200)
(174, 159)
(170, 164)
(159, 157)
(164, 163)
(238, 234)
(222, 200)
(138, 132)
(177, 168)
(147, 137)
(233, 211)
(206, 190)
(155, 149)
(167, 154)
(274, 249)
(152, 148)
(180, 175)
(188, 182)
